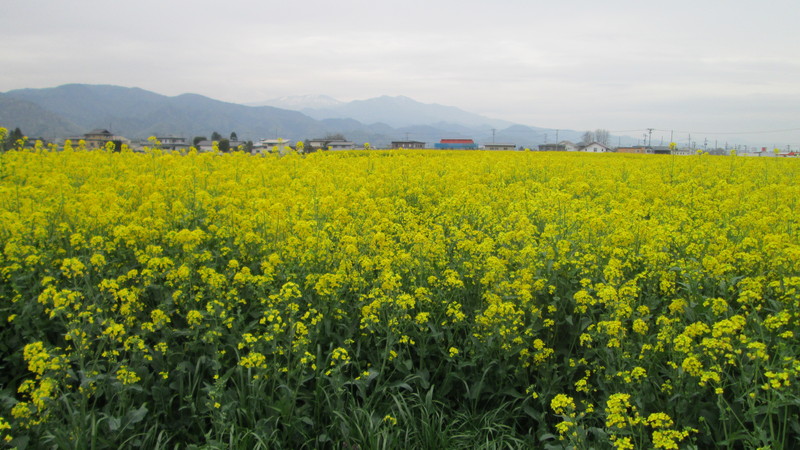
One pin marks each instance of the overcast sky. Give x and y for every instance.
(700, 66)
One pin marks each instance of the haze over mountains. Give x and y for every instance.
(301, 102)
(398, 111)
(74, 109)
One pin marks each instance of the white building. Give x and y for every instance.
(272, 145)
(172, 142)
(499, 147)
(331, 144)
(595, 147)
(569, 146)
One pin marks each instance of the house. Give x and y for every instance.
(172, 142)
(456, 144)
(660, 150)
(637, 149)
(98, 135)
(595, 147)
(208, 145)
(98, 138)
(341, 145)
(271, 145)
(570, 146)
(204, 145)
(408, 144)
(552, 147)
(771, 154)
(331, 144)
(563, 146)
(499, 147)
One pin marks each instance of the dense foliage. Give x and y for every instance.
(398, 299)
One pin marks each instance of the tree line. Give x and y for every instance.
(223, 144)
(599, 135)
(9, 139)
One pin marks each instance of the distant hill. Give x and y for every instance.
(136, 113)
(34, 120)
(300, 102)
(398, 111)
(74, 109)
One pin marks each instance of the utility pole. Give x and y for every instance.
(649, 137)
(493, 131)
(557, 137)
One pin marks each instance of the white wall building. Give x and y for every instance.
(595, 147)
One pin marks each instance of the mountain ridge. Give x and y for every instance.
(73, 109)
(395, 111)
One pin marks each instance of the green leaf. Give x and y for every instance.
(136, 415)
(113, 423)
(547, 437)
(307, 420)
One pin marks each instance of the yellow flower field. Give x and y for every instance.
(427, 299)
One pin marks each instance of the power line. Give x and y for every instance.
(737, 132)
(709, 132)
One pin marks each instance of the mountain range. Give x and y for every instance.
(74, 109)
(399, 111)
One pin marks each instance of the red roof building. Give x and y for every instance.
(456, 144)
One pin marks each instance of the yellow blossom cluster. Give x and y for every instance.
(243, 288)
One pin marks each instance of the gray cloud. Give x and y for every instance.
(715, 65)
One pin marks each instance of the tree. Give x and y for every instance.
(13, 137)
(335, 137)
(224, 145)
(299, 146)
(602, 136)
(234, 138)
(116, 145)
(599, 135)
(197, 140)
(216, 136)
